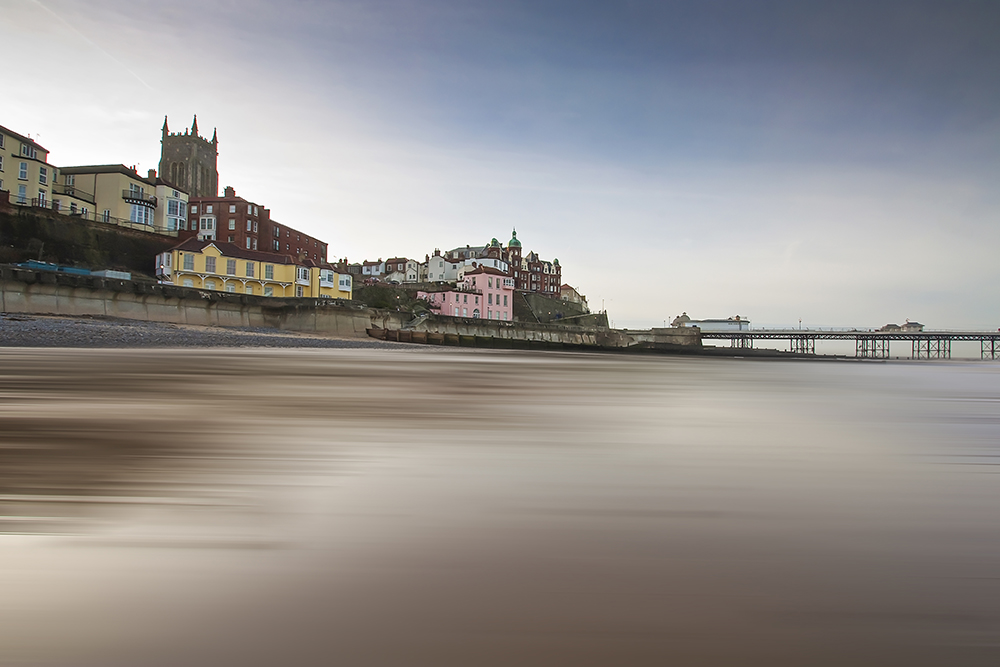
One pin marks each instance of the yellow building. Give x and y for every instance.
(226, 267)
(125, 198)
(26, 174)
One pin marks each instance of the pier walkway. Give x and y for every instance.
(869, 344)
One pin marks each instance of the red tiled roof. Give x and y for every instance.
(232, 250)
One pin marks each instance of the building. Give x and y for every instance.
(227, 267)
(123, 197)
(735, 323)
(190, 161)
(484, 293)
(440, 268)
(233, 219)
(529, 271)
(26, 174)
(401, 270)
(571, 294)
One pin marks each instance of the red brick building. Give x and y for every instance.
(233, 219)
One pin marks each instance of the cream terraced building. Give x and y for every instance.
(26, 174)
(124, 197)
(226, 267)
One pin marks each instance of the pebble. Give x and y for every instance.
(83, 332)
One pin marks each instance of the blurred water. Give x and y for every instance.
(450, 507)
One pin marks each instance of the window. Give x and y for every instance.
(209, 265)
(475, 313)
(248, 289)
(1, 141)
(22, 171)
(249, 269)
(1, 166)
(249, 225)
(298, 290)
(43, 175)
(232, 208)
(277, 246)
(208, 209)
(141, 215)
(28, 151)
(106, 216)
(22, 194)
(303, 273)
(255, 227)
(255, 210)
(231, 267)
(465, 312)
(210, 284)
(505, 302)
(232, 223)
(248, 243)
(194, 208)
(345, 283)
(230, 287)
(208, 223)
(231, 237)
(268, 291)
(269, 271)
(172, 206)
(465, 298)
(189, 262)
(41, 197)
(249, 209)
(255, 244)
(188, 282)
(489, 299)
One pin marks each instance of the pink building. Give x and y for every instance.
(486, 292)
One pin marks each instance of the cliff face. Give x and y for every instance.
(35, 234)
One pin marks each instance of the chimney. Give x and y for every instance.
(152, 174)
(230, 192)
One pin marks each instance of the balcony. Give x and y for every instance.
(71, 191)
(137, 197)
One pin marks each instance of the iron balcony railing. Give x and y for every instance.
(90, 215)
(139, 196)
(73, 191)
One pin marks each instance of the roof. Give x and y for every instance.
(513, 240)
(396, 260)
(105, 169)
(24, 139)
(232, 250)
(486, 269)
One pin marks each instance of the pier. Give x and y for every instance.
(868, 344)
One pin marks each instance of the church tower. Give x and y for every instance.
(190, 161)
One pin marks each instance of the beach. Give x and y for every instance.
(171, 503)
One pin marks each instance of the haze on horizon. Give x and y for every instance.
(834, 162)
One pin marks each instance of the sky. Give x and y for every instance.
(836, 163)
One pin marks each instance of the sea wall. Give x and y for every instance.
(48, 293)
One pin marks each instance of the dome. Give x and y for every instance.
(556, 261)
(514, 243)
(494, 243)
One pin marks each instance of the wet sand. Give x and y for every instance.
(436, 506)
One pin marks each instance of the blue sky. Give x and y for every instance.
(836, 162)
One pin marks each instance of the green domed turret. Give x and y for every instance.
(494, 243)
(513, 240)
(556, 261)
